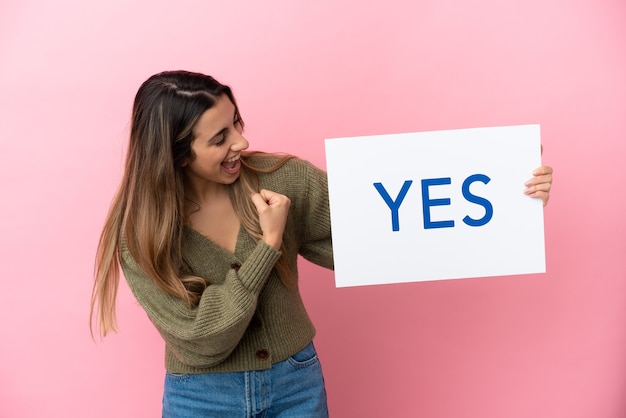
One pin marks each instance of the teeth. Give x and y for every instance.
(231, 160)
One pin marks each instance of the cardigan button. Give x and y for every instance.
(235, 266)
(262, 354)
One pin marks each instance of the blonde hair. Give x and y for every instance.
(147, 214)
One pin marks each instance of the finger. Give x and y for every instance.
(544, 196)
(266, 194)
(273, 198)
(544, 169)
(546, 178)
(541, 187)
(259, 201)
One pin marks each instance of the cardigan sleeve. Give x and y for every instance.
(314, 214)
(206, 334)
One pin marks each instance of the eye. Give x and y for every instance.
(221, 140)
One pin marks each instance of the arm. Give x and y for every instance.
(314, 213)
(206, 334)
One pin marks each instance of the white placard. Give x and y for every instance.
(435, 205)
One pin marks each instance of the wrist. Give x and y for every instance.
(274, 242)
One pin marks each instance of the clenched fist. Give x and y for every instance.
(273, 209)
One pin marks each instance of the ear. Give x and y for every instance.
(189, 159)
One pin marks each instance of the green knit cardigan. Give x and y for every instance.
(246, 318)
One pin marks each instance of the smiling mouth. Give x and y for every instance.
(232, 165)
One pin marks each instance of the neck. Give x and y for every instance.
(206, 193)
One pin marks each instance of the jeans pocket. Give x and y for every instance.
(305, 357)
(177, 377)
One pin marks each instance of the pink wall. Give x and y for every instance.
(550, 345)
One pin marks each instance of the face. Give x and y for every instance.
(217, 146)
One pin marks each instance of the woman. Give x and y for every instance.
(207, 236)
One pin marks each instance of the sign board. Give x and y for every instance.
(435, 205)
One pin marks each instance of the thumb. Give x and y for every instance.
(258, 201)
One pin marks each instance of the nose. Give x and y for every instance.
(240, 143)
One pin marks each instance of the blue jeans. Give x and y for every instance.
(293, 388)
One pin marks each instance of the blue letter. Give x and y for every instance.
(427, 202)
(394, 206)
(478, 200)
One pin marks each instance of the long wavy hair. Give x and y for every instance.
(147, 214)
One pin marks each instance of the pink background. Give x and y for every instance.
(550, 345)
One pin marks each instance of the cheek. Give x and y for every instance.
(209, 159)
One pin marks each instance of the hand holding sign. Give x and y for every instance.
(539, 186)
